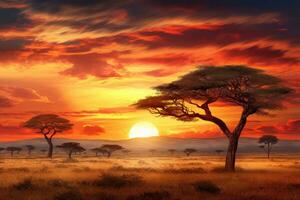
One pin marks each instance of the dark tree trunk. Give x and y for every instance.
(70, 154)
(231, 154)
(108, 154)
(50, 150)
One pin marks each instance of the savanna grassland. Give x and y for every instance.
(152, 177)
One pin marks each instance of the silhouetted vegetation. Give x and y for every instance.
(116, 181)
(268, 141)
(110, 148)
(26, 184)
(12, 150)
(48, 125)
(172, 151)
(189, 151)
(207, 186)
(29, 148)
(251, 89)
(71, 147)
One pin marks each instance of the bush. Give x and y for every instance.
(158, 195)
(69, 195)
(26, 184)
(207, 186)
(115, 181)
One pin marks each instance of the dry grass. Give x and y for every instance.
(150, 178)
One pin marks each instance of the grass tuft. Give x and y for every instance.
(207, 186)
(117, 181)
(26, 184)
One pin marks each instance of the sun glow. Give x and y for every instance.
(142, 130)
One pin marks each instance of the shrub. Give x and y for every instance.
(157, 195)
(207, 186)
(69, 195)
(26, 184)
(116, 181)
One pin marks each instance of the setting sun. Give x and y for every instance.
(142, 130)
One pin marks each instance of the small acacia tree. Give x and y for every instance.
(2, 149)
(189, 151)
(48, 125)
(13, 150)
(110, 148)
(71, 147)
(219, 151)
(29, 148)
(190, 98)
(268, 141)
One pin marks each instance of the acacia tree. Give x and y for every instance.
(268, 141)
(2, 149)
(190, 98)
(48, 125)
(110, 148)
(219, 151)
(13, 150)
(71, 147)
(29, 148)
(189, 151)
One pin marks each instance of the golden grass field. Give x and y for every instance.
(145, 178)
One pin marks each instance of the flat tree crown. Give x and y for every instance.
(47, 123)
(268, 139)
(250, 88)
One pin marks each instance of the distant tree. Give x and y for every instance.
(13, 150)
(218, 151)
(71, 147)
(268, 141)
(48, 125)
(189, 151)
(110, 148)
(29, 148)
(172, 151)
(2, 149)
(99, 150)
(190, 98)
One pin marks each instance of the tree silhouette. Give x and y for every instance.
(190, 98)
(268, 141)
(98, 150)
(29, 148)
(48, 125)
(13, 150)
(110, 148)
(189, 151)
(71, 147)
(152, 151)
(2, 149)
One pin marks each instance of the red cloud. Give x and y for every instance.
(92, 130)
(5, 102)
(261, 55)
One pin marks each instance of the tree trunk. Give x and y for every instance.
(70, 154)
(50, 150)
(231, 153)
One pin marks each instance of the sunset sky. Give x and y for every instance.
(89, 61)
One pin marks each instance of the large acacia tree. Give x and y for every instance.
(48, 125)
(190, 98)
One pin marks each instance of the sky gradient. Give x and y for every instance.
(89, 61)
